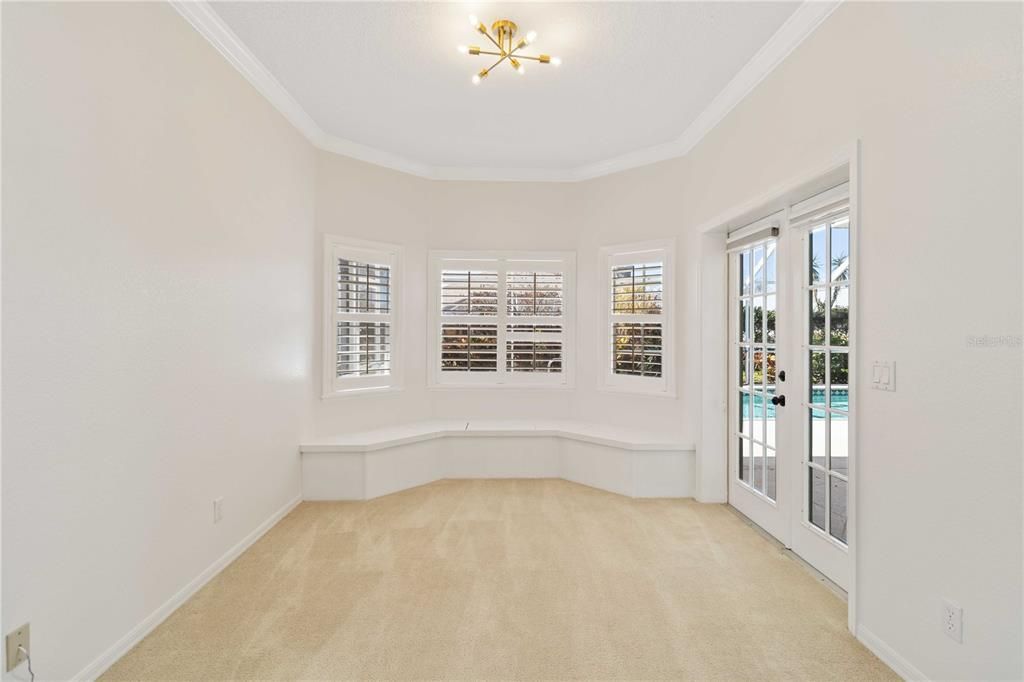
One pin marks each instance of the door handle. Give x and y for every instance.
(779, 400)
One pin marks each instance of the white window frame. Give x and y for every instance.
(502, 262)
(335, 247)
(662, 250)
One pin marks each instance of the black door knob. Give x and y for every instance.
(782, 375)
(779, 400)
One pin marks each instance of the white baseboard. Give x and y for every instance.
(888, 655)
(136, 634)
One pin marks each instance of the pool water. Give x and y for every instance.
(840, 401)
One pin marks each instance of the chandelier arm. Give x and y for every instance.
(491, 67)
(496, 43)
(525, 56)
(496, 54)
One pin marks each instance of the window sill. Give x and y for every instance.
(628, 390)
(357, 392)
(500, 387)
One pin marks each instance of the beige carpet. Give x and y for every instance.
(508, 579)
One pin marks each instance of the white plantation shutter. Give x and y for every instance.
(469, 347)
(469, 292)
(360, 320)
(638, 317)
(501, 319)
(534, 334)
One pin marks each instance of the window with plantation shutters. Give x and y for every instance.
(360, 316)
(501, 319)
(638, 317)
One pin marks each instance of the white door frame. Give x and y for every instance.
(712, 451)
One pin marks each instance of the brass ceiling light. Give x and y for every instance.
(504, 31)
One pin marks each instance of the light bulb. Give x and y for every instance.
(557, 61)
(476, 79)
(463, 49)
(530, 37)
(520, 69)
(473, 21)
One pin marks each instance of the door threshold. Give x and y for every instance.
(793, 556)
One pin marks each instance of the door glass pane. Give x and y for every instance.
(744, 369)
(769, 267)
(745, 321)
(745, 460)
(769, 319)
(758, 269)
(744, 273)
(744, 419)
(837, 508)
(758, 467)
(758, 369)
(816, 373)
(816, 311)
(770, 414)
(758, 417)
(816, 255)
(839, 316)
(769, 473)
(758, 319)
(769, 368)
(840, 250)
(816, 497)
(816, 440)
(839, 393)
(838, 443)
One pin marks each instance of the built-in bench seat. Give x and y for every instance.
(368, 464)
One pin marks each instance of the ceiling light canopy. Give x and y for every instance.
(502, 36)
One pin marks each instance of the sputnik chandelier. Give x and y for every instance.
(504, 32)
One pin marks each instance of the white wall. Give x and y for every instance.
(157, 263)
(137, 229)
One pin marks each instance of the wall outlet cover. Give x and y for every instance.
(953, 621)
(17, 638)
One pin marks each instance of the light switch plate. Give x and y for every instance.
(15, 639)
(883, 375)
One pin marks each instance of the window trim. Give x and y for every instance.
(438, 260)
(335, 246)
(623, 254)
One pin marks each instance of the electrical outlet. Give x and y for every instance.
(15, 639)
(218, 509)
(953, 621)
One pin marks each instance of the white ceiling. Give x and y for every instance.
(385, 78)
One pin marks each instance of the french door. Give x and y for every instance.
(757, 354)
(790, 281)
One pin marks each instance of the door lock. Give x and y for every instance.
(782, 375)
(779, 400)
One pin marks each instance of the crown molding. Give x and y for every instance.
(790, 35)
(801, 24)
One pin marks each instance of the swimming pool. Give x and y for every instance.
(840, 401)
